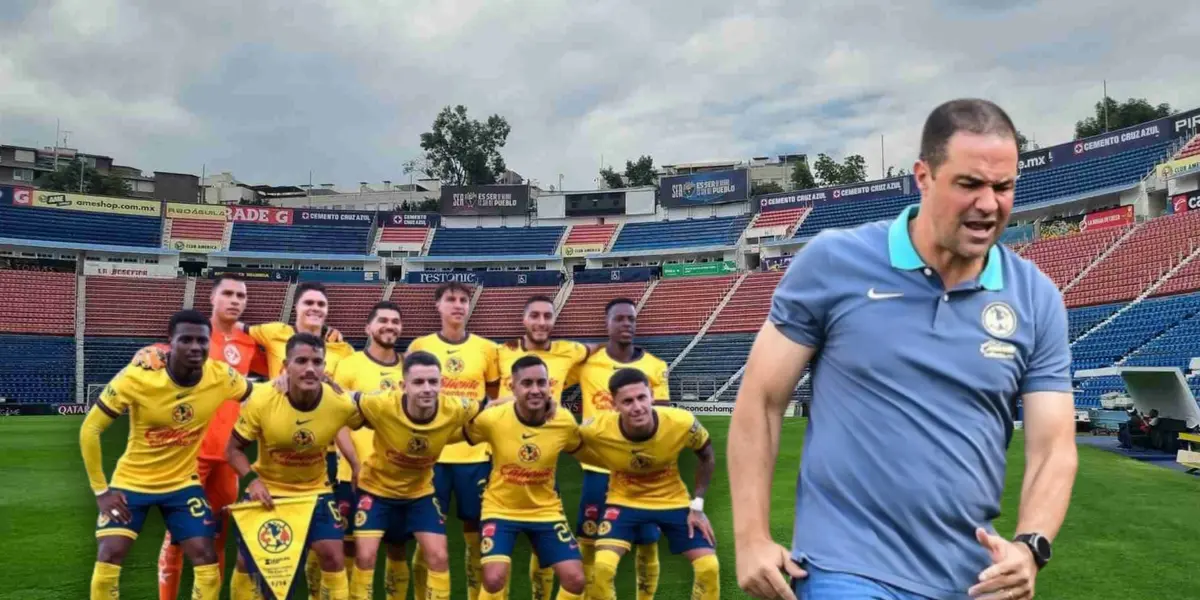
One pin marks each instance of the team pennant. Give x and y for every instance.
(275, 539)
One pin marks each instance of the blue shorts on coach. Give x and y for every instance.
(552, 541)
(186, 513)
(591, 508)
(465, 481)
(624, 524)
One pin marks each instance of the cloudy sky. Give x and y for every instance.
(271, 89)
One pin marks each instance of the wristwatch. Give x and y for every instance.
(1039, 545)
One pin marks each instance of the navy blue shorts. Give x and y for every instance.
(343, 495)
(621, 525)
(397, 519)
(466, 482)
(552, 541)
(186, 513)
(591, 505)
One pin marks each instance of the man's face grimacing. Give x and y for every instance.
(531, 386)
(636, 405)
(971, 193)
(422, 384)
(305, 367)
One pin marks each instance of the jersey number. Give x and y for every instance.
(198, 506)
(564, 533)
(337, 514)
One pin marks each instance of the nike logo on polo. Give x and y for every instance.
(299, 422)
(874, 295)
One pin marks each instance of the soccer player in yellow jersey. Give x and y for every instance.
(562, 357)
(396, 491)
(169, 411)
(378, 367)
(469, 370)
(641, 443)
(620, 352)
(292, 431)
(527, 436)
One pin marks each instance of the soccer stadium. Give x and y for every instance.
(86, 281)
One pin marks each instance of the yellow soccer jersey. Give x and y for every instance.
(524, 460)
(361, 373)
(644, 474)
(166, 423)
(401, 465)
(292, 442)
(467, 368)
(273, 337)
(561, 360)
(594, 376)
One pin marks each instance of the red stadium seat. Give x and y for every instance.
(682, 305)
(583, 314)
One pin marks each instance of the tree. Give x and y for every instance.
(611, 178)
(852, 170)
(464, 151)
(802, 177)
(1124, 114)
(67, 178)
(641, 173)
(892, 171)
(769, 187)
(1022, 142)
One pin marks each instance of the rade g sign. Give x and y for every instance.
(260, 214)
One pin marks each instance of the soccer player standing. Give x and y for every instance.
(169, 411)
(620, 317)
(292, 431)
(641, 444)
(923, 333)
(378, 367)
(232, 346)
(527, 436)
(469, 370)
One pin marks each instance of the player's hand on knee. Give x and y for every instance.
(114, 505)
(257, 490)
(761, 569)
(151, 358)
(698, 522)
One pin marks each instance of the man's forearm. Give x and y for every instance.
(1046, 490)
(704, 471)
(346, 446)
(89, 445)
(237, 458)
(751, 455)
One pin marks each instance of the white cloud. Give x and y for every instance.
(344, 87)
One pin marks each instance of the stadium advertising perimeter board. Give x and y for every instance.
(484, 200)
(695, 269)
(698, 189)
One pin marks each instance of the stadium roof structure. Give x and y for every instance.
(82, 246)
(661, 251)
(453, 258)
(292, 255)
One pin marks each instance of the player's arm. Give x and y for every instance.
(705, 466)
(662, 387)
(111, 503)
(245, 431)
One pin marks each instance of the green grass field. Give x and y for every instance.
(1133, 530)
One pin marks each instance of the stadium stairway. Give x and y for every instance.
(1063, 259)
(683, 305)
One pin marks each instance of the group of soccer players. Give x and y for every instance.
(385, 441)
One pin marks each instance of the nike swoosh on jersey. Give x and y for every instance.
(874, 295)
(299, 422)
(526, 436)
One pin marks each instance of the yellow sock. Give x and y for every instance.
(474, 568)
(334, 586)
(587, 550)
(360, 583)
(438, 583)
(312, 575)
(707, 585)
(420, 572)
(563, 594)
(106, 580)
(396, 580)
(349, 561)
(206, 584)
(486, 595)
(241, 587)
(604, 572)
(647, 568)
(541, 581)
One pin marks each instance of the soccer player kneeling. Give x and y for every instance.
(292, 431)
(640, 443)
(169, 411)
(527, 436)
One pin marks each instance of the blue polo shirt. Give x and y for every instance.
(914, 391)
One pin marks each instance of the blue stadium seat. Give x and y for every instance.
(713, 360)
(1175, 348)
(37, 368)
(1082, 319)
(484, 241)
(851, 213)
(1087, 395)
(1132, 329)
(257, 237)
(717, 231)
(79, 227)
(103, 357)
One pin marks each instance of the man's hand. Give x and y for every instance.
(1012, 573)
(151, 358)
(114, 506)
(761, 568)
(257, 490)
(281, 383)
(697, 520)
(333, 336)
(354, 471)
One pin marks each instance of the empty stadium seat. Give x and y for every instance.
(37, 302)
(1184, 280)
(1144, 257)
(497, 314)
(197, 229)
(591, 234)
(1192, 148)
(258, 237)
(788, 217)
(1131, 329)
(488, 241)
(103, 357)
(748, 307)
(716, 231)
(710, 363)
(404, 235)
(583, 313)
(37, 368)
(79, 227)
(349, 306)
(849, 213)
(1080, 320)
(1174, 348)
(264, 300)
(1063, 258)
(127, 307)
(682, 305)
(417, 310)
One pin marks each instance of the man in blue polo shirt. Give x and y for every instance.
(922, 333)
